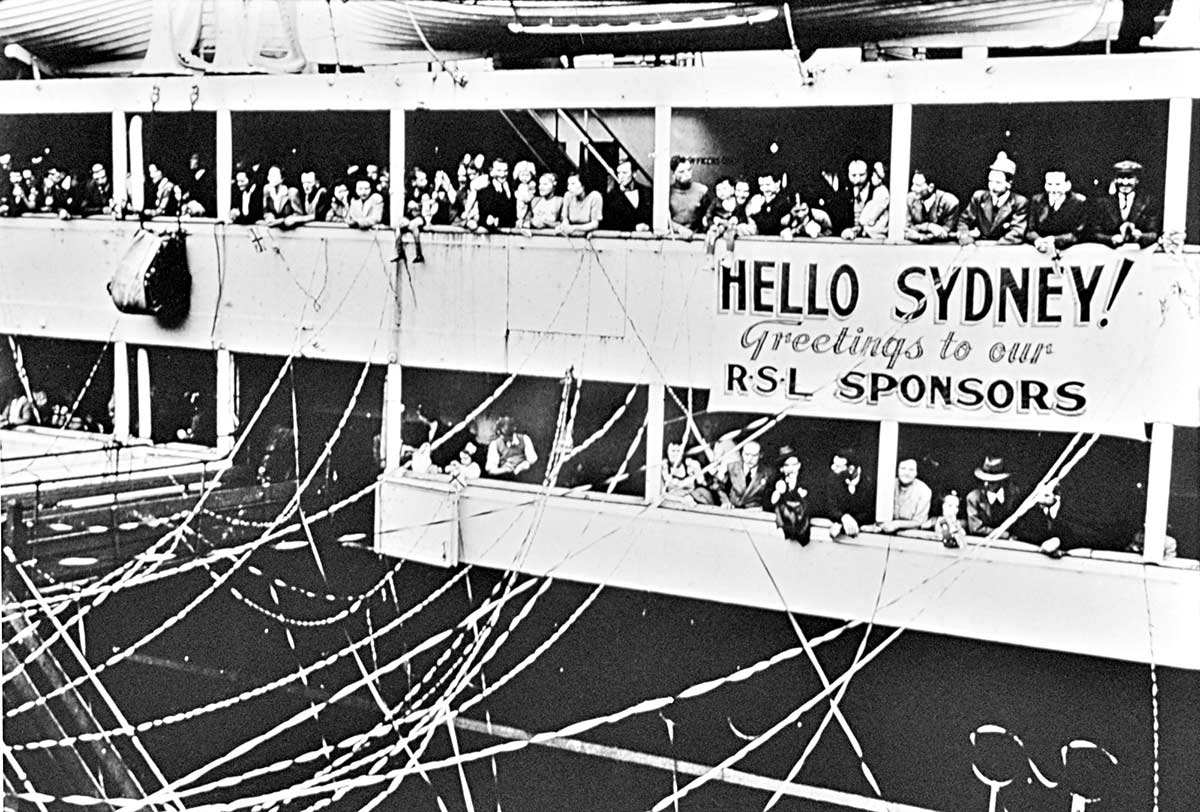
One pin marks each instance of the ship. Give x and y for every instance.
(248, 565)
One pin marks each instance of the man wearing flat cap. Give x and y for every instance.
(997, 212)
(1127, 216)
(994, 500)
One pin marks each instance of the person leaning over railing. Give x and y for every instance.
(582, 210)
(247, 201)
(804, 220)
(628, 205)
(98, 194)
(789, 499)
(339, 204)
(1058, 217)
(932, 212)
(872, 218)
(997, 212)
(366, 207)
(1126, 216)
(688, 201)
(545, 211)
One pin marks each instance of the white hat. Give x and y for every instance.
(1004, 164)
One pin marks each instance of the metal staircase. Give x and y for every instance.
(597, 158)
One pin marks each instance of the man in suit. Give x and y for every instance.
(1058, 217)
(1127, 216)
(246, 198)
(279, 201)
(994, 500)
(497, 204)
(1043, 525)
(997, 212)
(747, 483)
(199, 190)
(309, 203)
(770, 207)
(628, 205)
(932, 212)
(849, 495)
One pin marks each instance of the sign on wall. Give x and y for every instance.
(996, 336)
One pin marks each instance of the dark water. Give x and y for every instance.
(912, 709)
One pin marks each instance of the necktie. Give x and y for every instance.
(1126, 205)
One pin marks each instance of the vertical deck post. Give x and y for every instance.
(144, 413)
(224, 167)
(135, 188)
(656, 396)
(1158, 491)
(121, 404)
(662, 167)
(396, 166)
(120, 157)
(899, 170)
(393, 414)
(885, 479)
(1179, 144)
(226, 400)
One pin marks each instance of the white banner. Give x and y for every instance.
(996, 336)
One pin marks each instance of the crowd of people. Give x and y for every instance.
(852, 203)
(844, 496)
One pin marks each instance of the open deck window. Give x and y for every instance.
(176, 168)
(1085, 139)
(71, 382)
(1103, 496)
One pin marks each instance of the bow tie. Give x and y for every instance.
(995, 496)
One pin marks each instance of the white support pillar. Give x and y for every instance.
(224, 166)
(121, 403)
(136, 186)
(393, 415)
(1179, 148)
(1158, 491)
(143, 393)
(899, 170)
(226, 400)
(120, 157)
(396, 169)
(662, 168)
(656, 397)
(885, 479)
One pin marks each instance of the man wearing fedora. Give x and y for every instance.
(1127, 216)
(997, 212)
(994, 500)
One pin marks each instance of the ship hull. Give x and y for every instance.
(912, 708)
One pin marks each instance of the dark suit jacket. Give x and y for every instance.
(252, 212)
(838, 204)
(1143, 215)
(769, 220)
(1037, 526)
(1068, 225)
(1006, 224)
(983, 516)
(621, 215)
(315, 204)
(201, 187)
(166, 203)
(754, 494)
(496, 204)
(943, 212)
(839, 501)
